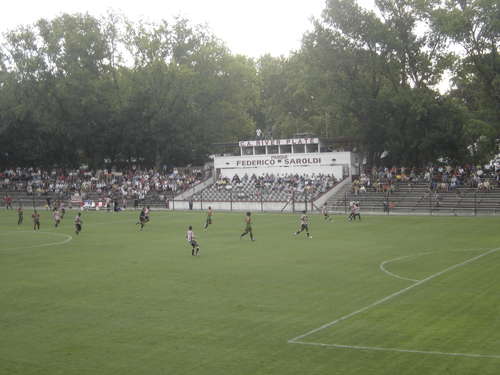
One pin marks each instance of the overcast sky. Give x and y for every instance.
(249, 27)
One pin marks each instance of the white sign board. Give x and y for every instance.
(279, 142)
(328, 163)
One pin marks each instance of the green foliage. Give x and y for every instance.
(79, 89)
(474, 25)
(375, 73)
(69, 97)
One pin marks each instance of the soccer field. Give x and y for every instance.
(387, 295)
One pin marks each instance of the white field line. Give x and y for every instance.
(381, 349)
(383, 269)
(391, 296)
(386, 271)
(464, 250)
(66, 240)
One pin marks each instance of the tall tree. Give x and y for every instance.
(474, 27)
(374, 73)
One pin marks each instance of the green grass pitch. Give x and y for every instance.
(393, 295)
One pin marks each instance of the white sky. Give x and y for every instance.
(249, 27)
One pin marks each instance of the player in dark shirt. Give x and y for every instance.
(326, 215)
(248, 226)
(8, 202)
(36, 220)
(142, 218)
(20, 215)
(209, 217)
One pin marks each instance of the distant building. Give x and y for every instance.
(301, 156)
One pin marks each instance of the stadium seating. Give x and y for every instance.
(29, 186)
(269, 188)
(413, 193)
(418, 198)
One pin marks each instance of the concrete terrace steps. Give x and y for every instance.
(415, 198)
(248, 191)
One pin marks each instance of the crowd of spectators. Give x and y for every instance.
(127, 184)
(438, 179)
(287, 184)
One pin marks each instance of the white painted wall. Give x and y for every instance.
(240, 206)
(330, 163)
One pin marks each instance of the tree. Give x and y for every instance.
(79, 89)
(374, 75)
(474, 26)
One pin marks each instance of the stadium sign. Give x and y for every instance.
(330, 163)
(279, 142)
(278, 160)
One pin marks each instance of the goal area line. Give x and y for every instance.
(300, 339)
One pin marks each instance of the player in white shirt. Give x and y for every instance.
(78, 223)
(352, 204)
(57, 217)
(356, 211)
(191, 238)
(304, 225)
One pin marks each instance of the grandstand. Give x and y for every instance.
(269, 187)
(267, 175)
(458, 191)
(30, 186)
(274, 175)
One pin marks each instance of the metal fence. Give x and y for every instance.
(474, 204)
(258, 203)
(261, 202)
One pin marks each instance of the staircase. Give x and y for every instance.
(338, 203)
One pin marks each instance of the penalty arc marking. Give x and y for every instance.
(299, 339)
(67, 238)
(383, 265)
